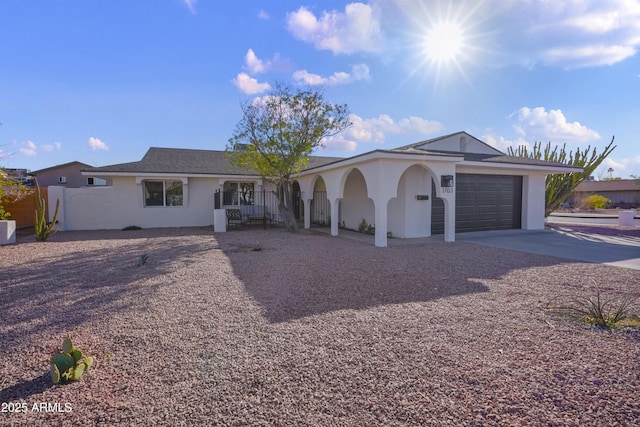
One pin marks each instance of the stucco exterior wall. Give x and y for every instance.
(408, 216)
(122, 205)
(355, 205)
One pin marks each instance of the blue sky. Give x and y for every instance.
(102, 81)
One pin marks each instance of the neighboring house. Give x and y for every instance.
(443, 185)
(20, 176)
(623, 193)
(68, 175)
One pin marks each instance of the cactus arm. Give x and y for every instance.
(55, 374)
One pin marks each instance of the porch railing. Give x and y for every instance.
(262, 206)
(259, 207)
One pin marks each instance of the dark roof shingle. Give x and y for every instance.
(189, 161)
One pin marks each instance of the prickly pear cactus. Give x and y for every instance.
(67, 364)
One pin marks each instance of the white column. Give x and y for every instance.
(380, 206)
(450, 218)
(335, 213)
(307, 213)
(533, 202)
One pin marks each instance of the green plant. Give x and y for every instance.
(143, 259)
(595, 201)
(42, 229)
(276, 136)
(68, 364)
(600, 311)
(10, 192)
(364, 226)
(558, 187)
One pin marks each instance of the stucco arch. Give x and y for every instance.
(355, 204)
(409, 213)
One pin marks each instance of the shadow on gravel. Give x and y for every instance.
(24, 389)
(53, 293)
(327, 274)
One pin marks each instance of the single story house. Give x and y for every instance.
(67, 175)
(623, 193)
(448, 184)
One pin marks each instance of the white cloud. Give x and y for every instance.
(573, 34)
(191, 5)
(542, 125)
(29, 149)
(95, 144)
(376, 129)
(249, 85)
(624, 167)
(48, 148)
(263, 15)
(358, 72)
(357, 29)
(617, 166)
(253, 64)
(587, 56)
(503, 144)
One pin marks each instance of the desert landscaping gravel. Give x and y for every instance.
(311, 330)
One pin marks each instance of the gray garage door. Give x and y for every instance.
(483, 202)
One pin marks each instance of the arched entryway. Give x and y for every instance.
(356, 208)
(320, 207)
(409, 213)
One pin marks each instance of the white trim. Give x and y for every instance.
(483, 166)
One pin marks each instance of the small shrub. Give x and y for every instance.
(131, 227)
(600, 311)
(595, 202)
(143, 259)
(10, 192)
(362, 228)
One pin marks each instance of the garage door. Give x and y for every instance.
(483, 202)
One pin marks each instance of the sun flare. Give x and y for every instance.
(443, 42)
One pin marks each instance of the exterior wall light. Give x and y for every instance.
(446, 181)
(422, 197)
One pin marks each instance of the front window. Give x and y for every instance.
(238, 193)
(163, 193)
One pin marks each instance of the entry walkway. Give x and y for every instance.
(617, 250)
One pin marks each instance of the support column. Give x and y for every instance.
(335, 213)
(533, 202)
(307, 213)
(380, 207)
(449, 219)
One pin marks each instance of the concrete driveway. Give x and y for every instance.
(617, 250)
(561, 242)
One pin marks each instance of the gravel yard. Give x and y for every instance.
(312, 330)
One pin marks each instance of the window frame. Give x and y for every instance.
(242, 193)
(164, 195)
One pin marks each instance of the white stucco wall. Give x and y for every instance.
(409, 217)
(533, 201)
(355, 205)
(122, 204)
